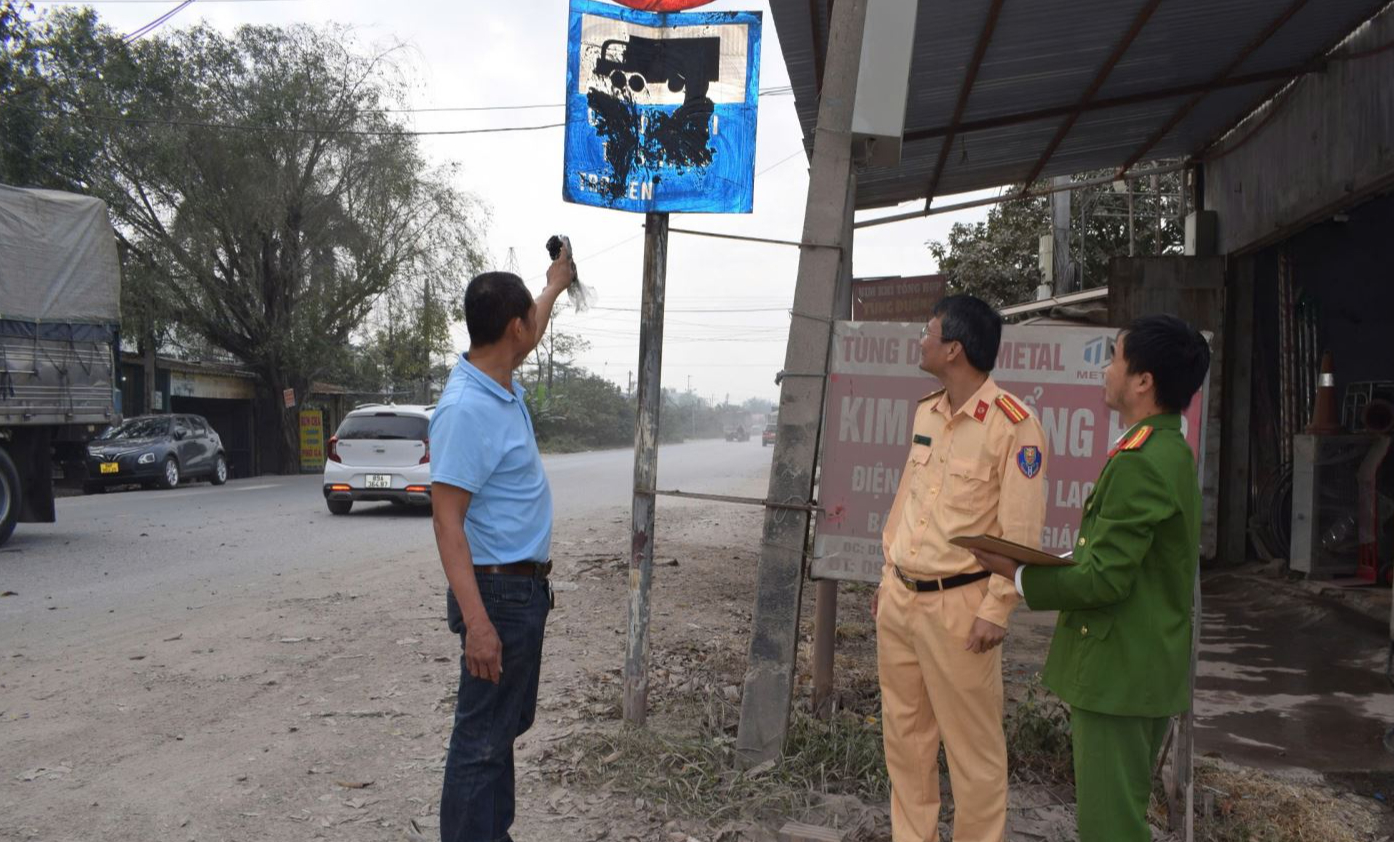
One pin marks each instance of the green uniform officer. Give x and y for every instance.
(1121, 652)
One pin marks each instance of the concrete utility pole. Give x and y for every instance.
(825, 604)
(769, 678)
(1060, 231)
(636, 655)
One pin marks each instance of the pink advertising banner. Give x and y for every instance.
(873, 390)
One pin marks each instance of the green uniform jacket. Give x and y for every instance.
(1122, 645)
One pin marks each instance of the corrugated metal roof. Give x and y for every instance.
(1041, 58)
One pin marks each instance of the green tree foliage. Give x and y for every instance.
(265, 201)
(582, 411)
(998, 259)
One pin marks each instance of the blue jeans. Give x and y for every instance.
(476, 802)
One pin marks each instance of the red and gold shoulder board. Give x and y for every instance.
(1133, 442)
(1015, 411)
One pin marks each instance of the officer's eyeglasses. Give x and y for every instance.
(925, 331)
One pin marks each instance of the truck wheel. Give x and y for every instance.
(10, 496)
(219, 471)
(339, 507)
(170, 478)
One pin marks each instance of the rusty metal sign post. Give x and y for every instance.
(636, 656)
(646, 92)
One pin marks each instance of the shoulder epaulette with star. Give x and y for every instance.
(1134, 441)
(936, 393)
(1015, 411)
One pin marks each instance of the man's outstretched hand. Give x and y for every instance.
(562, 271)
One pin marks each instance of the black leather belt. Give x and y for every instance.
(941, 584)
(532, 569)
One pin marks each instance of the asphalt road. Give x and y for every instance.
(155, 553)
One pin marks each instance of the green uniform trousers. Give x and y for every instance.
(1114, 756)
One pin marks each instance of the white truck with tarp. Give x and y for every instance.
(60, 292)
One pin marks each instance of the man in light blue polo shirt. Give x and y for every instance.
(493, 523)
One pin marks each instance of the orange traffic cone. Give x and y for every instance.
(1326, 417)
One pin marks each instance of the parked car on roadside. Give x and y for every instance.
(767, 437)
(155, 451)
(379, 452)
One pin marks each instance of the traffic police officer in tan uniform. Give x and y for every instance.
(1121, 654)
(976, 466)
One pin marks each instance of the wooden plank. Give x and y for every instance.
(636, 656)
(1235, 416)
(769, 679)
(799, 832)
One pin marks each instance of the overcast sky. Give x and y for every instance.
(514, 53)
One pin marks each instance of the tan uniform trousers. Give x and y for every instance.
(933, 689)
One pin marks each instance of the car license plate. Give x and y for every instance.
(379, 480)
(110, 467)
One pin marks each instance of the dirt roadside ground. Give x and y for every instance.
(322, 711)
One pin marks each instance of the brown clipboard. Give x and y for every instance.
(1010, 549)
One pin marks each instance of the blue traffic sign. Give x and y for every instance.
(661, 109)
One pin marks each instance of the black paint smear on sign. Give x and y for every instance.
(617, 122)
(680, 139)
(676, 140)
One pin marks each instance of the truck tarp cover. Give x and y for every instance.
(57, 258)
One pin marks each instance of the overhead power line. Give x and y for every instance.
(261, 127)
(783, 90)
(791, 156)
(245, 127)
(155, 24)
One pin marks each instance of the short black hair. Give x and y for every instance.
(492, 300)
(1173, 352)
(971, 322)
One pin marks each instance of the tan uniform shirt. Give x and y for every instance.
(976, 471)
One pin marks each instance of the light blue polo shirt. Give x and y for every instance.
(482, 440)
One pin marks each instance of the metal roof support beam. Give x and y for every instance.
(1249, 49)
(977, 203)
(1282, 73)
(1318, 63)
(964, 91)
(819, 50)
(1102, 76)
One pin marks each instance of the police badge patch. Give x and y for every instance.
(1028, 459)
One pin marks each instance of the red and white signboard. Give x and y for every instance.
(873, 391)
(896, 299)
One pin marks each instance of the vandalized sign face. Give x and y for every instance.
(875, 387)
(661, 109)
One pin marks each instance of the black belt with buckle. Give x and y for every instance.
(941, 584)
(533, 569)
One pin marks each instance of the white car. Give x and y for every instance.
(379, 452)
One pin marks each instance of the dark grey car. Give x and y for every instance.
(155, 450)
